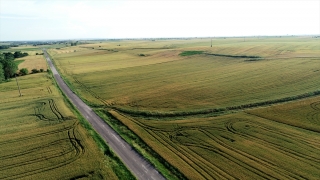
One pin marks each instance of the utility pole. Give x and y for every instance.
(211, 42)
(17, 84)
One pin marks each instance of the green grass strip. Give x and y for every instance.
(190, 53)
(17, 62)
(166, 169)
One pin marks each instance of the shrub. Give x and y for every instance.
(41, 70)
(24, 71)
(35, 70)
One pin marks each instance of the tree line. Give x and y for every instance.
(8, 46)
(8, 67)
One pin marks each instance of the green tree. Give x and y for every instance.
(24, 71)
(18, 54)
(2, 78)
(8, 56)
(9, 68)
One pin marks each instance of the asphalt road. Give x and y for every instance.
(135, 163)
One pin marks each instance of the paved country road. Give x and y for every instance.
(135, 163)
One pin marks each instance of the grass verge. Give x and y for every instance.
(116, 164)
(166, 169)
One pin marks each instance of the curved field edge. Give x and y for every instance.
(169, 171)
(217, 111)
(116, 164)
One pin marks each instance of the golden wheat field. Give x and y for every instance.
(254, 144)
(40, 137)
(33, 62)
(162, 80)
(166, 92)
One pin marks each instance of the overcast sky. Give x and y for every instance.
(80, 19)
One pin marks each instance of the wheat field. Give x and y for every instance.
(165, 91)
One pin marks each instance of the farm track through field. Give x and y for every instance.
(53, 151)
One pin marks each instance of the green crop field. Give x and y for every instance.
(169, 92)
(42, 138)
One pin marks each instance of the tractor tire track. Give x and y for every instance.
(285, 151)
(49, 90)
(77, 150)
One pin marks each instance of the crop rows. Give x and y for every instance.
(149, 88)
(59, 152)
(199, 147)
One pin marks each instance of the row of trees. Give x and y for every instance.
(74, 43)
(7, 65)
(25, 71)
(8, 46)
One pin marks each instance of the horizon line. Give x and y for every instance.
(140, 38)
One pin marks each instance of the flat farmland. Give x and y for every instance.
(165, 91)
(40, 136)
(154, 77)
